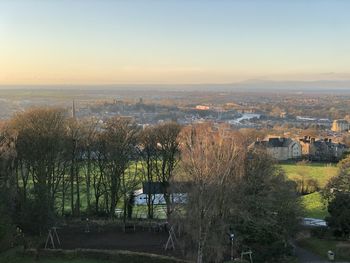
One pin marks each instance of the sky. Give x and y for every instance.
(46, 42)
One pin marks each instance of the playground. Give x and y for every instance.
(145, 236)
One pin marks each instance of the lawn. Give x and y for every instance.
(320, 172)
(140, 211)
(314, 205)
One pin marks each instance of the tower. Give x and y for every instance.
(73, 110)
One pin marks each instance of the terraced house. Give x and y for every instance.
(280, 148)
(321, 149)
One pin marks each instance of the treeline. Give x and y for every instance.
(53, 165)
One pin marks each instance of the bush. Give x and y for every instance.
(308, 186)
(339, 211)
(6, 232)
(319, 232)
(6, 227)
(33, 216)
(272, 252)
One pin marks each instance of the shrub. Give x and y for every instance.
(319, 232)
(30, 216)
(6, 230)
(339, 211)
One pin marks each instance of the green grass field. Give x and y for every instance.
(318, 171)
(313, 203)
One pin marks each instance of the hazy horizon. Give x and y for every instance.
(322, 86)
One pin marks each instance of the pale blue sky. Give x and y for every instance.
(180, 41)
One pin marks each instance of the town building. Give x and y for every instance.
(340, 126)
(321, 149)
(202, 107)
(281, 149)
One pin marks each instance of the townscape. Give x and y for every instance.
(174, 131)
(121, 181)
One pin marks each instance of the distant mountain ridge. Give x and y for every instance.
(254, 85)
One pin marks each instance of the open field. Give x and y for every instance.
(320, 172)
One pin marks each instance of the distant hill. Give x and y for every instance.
(255, 85)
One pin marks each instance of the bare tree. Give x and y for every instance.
(301, 179)
(149, 163)
(168, 154)
(119, 143)
(41, 143)
(212, 161)
(231, 188)
(74, 138)
(89, 136)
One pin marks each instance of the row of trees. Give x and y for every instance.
(57, 165)
(52, 165)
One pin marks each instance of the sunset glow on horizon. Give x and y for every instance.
(172, 42)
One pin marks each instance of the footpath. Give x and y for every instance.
(306, 256)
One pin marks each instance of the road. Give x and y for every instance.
(306, 256)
